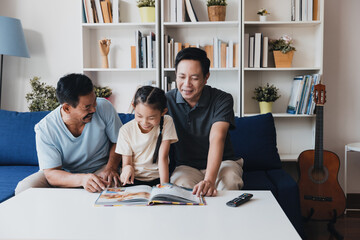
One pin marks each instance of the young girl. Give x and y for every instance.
(144, 142)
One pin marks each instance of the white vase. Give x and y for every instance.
(263, 18)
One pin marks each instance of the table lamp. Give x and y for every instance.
(12, 41)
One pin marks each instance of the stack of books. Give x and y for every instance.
(256, 48)
(143, 52)
(100, 11)
(305, 10)
(302, 94)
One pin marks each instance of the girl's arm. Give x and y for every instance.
(127, 173)
(164, 161)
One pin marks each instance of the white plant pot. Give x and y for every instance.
(263, 18)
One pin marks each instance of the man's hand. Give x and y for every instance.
(111, 175)
(93, 183)
(205, 188)
(127, 175)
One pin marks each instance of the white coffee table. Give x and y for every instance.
(70, 214)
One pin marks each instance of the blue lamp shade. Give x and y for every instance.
(12, 40)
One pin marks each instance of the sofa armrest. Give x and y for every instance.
(287, 196)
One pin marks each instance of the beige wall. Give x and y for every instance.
(53, 35)
(342, 79)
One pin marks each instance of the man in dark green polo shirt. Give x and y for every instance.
(203, 116)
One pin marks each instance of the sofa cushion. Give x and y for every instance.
(10, 176)
(17, 141)
(126, 117)
(254, 139)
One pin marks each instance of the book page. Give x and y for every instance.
(136, 195)
(172, 194)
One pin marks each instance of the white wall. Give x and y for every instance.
(52, 31)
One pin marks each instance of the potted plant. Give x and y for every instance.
(216, 10)
(104, 92)
(266, 96)
(263, 14)
(147, 10)
(283, 51)
(42, 97)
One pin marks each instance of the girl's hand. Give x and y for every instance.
(127, 175)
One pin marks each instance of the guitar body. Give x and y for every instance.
(319, 187)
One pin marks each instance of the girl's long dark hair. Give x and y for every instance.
(155, 98)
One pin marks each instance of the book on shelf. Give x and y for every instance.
(216, 52)
(251, 52)
(265, 51)
(98, 11)
(115, 11)
(295, 91)
(209, 49)
(236, 55)
(316, 10)
(144, 55)
(180, 11)
(304, 10)
(133, 56)
(190, 11)
(172, 10)
(89, 11)
(94, 12)
(105, 11)
(222, 54)
(292, 10)
(146, 195)
(257, 50)
(230, 55)
(138, 37)
(298, 10)
(246, 49)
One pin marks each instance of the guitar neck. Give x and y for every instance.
(319, 137)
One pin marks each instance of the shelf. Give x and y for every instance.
(205, 24)
(282, 23)
(119, 69)
(107, 26)
(211, 69)
(283, 115)
(289, 157)
(284, 69)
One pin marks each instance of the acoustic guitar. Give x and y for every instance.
(321, 197)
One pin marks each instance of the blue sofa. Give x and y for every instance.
(254, 139)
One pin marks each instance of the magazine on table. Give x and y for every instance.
(146, 195)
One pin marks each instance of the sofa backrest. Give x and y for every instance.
(254, 139)
(17, 137)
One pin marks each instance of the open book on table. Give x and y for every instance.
(145, 195)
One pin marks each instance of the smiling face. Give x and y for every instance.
(147, 117)
(190, 80)
(85, 109)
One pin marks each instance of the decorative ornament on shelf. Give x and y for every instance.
(266, 96)
(216, 10)
(147, 10)
(104, 92)
(42, 97)
(263, 14)
(283, 51)
(104, 46)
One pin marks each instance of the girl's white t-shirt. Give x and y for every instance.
(141, 146)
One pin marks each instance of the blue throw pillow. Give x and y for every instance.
(126, 117)
(254, 139)
(17, 137)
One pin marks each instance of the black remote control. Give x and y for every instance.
(239, 200)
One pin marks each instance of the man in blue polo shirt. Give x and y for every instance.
(202, 116)
(76, 142)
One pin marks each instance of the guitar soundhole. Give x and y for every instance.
(318, 175)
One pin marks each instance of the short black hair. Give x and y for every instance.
(70, 87)
(197, 54)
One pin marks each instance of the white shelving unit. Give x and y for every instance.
(295, 133)
(123, 79)
(202, 33)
